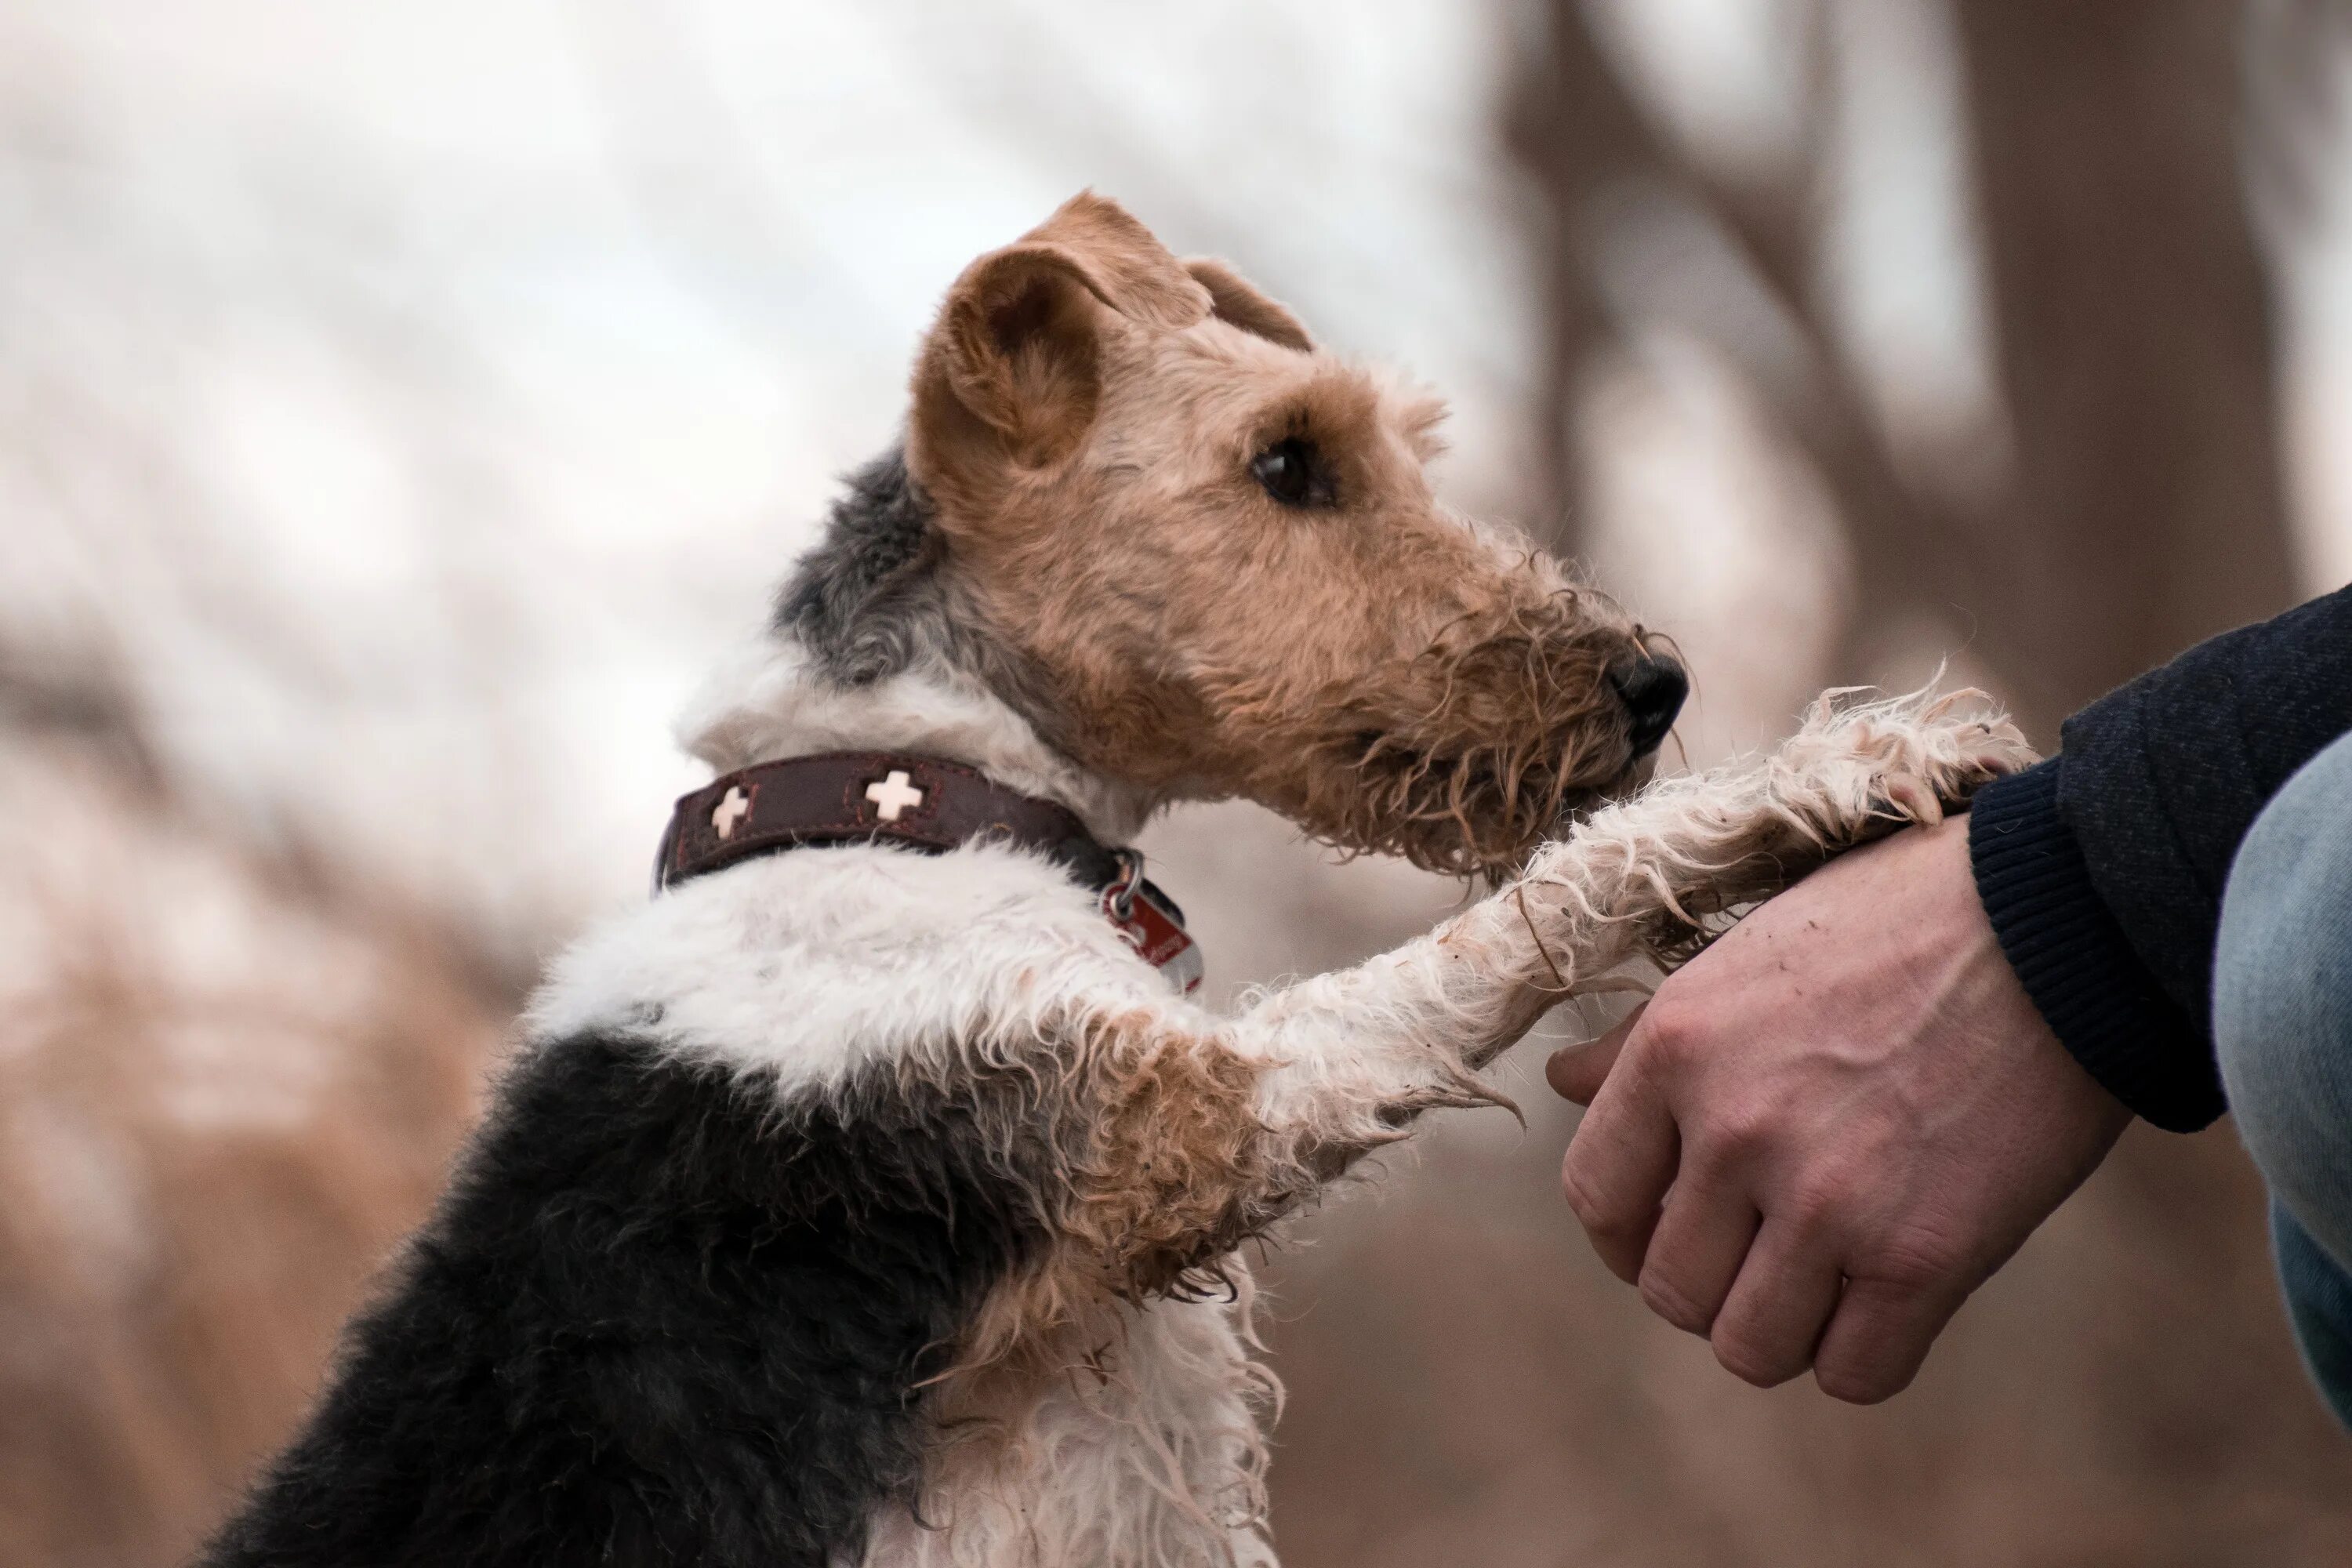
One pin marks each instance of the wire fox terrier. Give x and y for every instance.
(877, 1202)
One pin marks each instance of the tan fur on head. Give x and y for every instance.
(1090, 413)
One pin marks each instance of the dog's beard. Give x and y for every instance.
(1466, 758)
(1478, 812)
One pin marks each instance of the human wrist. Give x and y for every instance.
(2073, 961)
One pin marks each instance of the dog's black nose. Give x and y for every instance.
(1653, 688)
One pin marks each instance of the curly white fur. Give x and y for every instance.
(1127, 1427)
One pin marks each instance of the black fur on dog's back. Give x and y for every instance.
(661, 1317)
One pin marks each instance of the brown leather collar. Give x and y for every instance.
(851, 797)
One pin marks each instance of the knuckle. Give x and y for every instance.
(1738, 1132)
(1734, 1142)
(1668, 1033)
(1744, 1357)
(1587, 1205)
(1817, 1203)
(1912, 1262)
(1670, 1301)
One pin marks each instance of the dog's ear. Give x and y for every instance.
(1140, 277)
(1011, 376)
(1235, 299)
(1012, 373)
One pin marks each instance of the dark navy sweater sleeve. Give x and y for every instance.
(2101, 870)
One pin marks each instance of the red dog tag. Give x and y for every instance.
(1152, 926)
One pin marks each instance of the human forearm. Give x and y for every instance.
(2102, 870)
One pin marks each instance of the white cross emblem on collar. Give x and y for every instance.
(733, 808)
(893, 794)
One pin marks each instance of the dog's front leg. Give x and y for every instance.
(1206, 1136)
(1357, 1052)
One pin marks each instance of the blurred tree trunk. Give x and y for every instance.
(2134, 338)
(2144, 508)
(1576, 130)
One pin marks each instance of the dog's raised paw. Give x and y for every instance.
(1913, 798)
(1993, 749)
(1930, 752)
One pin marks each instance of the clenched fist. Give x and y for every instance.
(1826, 1129)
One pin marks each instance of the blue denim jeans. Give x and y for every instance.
(2283, 1024)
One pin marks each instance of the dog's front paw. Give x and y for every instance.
(1868, 767)
(1658, 872)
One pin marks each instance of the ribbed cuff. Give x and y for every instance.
(2076, 963)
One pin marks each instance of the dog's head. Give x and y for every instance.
(1218, 568)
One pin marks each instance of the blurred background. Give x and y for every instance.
(400, 406)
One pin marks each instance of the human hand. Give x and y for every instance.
(1828, 1129)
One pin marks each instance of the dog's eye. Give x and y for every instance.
(1294, 473)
